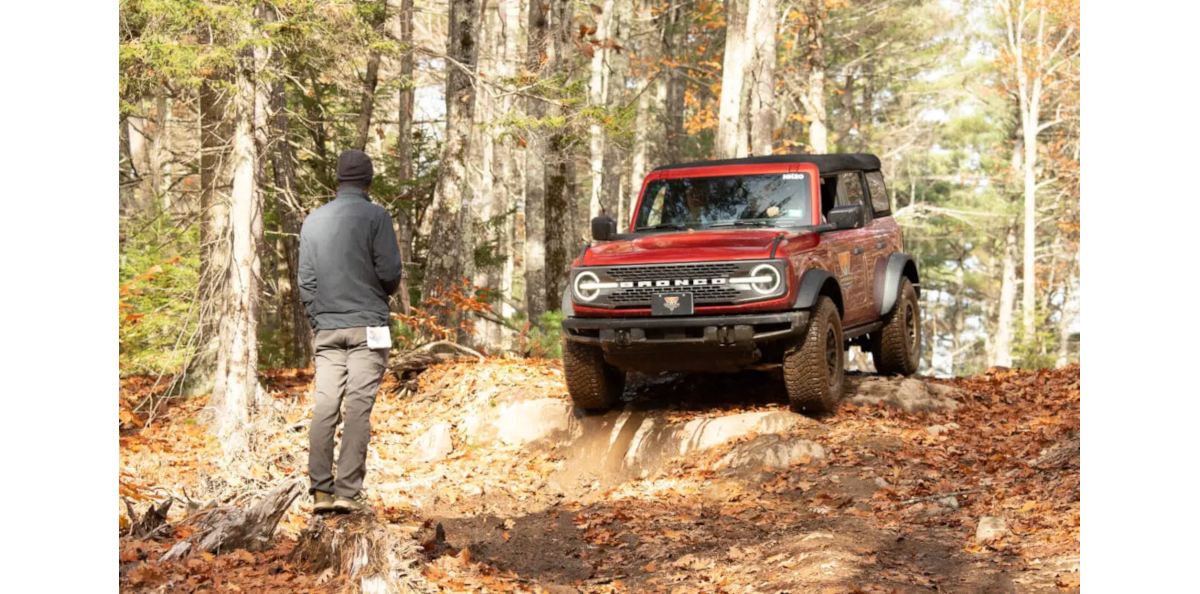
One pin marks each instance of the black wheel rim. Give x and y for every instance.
(910, 326)
(831, 354)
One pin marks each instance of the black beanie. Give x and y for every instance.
(354, 169)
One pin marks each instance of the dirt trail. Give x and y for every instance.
(706, 483)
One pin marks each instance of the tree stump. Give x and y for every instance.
(362, 552)
(230, 527)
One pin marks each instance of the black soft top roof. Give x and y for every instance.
(825, 163)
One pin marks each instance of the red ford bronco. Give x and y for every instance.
(775, 262)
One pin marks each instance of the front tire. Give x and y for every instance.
(896, 348)
(595, 386)
(814, 365)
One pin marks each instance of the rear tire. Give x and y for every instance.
(595, 386)
(814, 365)
(896, 348)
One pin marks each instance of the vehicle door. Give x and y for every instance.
(856, 251)
(885, 233)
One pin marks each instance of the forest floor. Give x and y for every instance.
(878, 499)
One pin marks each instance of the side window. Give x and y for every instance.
(850, 191)
(879, 199)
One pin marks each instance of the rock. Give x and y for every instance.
(654, 442)
(522, 422)
(948, 501)
(908, 394)
(771, 452)
(434, 444)
(990, 528)
(881, 483)
(936, 430)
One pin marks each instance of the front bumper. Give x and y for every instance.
(685, 343)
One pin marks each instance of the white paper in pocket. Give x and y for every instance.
(379, 337)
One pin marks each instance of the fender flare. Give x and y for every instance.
(887, 281)
(811, 283)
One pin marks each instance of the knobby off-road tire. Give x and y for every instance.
(814, 365)
(595, 386)
(896, 348)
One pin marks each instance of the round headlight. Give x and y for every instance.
(767, 287)
(591, 279)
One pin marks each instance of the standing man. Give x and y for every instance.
(349, 265)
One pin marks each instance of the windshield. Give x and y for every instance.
(751, 200)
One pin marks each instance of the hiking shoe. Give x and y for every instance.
(322, 502)
(345, 505)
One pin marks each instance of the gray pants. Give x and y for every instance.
(345, 367)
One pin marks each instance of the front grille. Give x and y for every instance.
(672, 271)
(642, 295)
(702, 294)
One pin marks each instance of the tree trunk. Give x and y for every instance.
(1008, 293)
(159, 146)
(814, 98)
(598, 98)
(638, 167)
(140, 140)
(561, 201)
(674, 87)
(1065, 318)
(215, 136)
(287, 203)
(538, 35)
(762, 85)
(404, 149)
(730, 141)
(366, 105)
(509, 154)
(614, 163)
(451, 245)
(236, 390)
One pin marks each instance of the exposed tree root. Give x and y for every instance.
(231, 527)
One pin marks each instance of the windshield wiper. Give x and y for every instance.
(664, 226)
(741, 224)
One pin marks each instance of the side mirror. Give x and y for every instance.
(603, 228)
(849, 216)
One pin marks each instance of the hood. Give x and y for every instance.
(688, 246)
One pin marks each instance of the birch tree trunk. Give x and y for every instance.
(236, 390)
(730, 141)
(508, 153)
(814, 98)
(1008, 293)
(598, 98)
(637, 166)
(1033, 61)
(762, 86)
(614, 162)
(451, 245)
(538, 34)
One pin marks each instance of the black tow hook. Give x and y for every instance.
(622, 338)
(725, 335)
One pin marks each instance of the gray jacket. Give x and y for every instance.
(349, 263)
